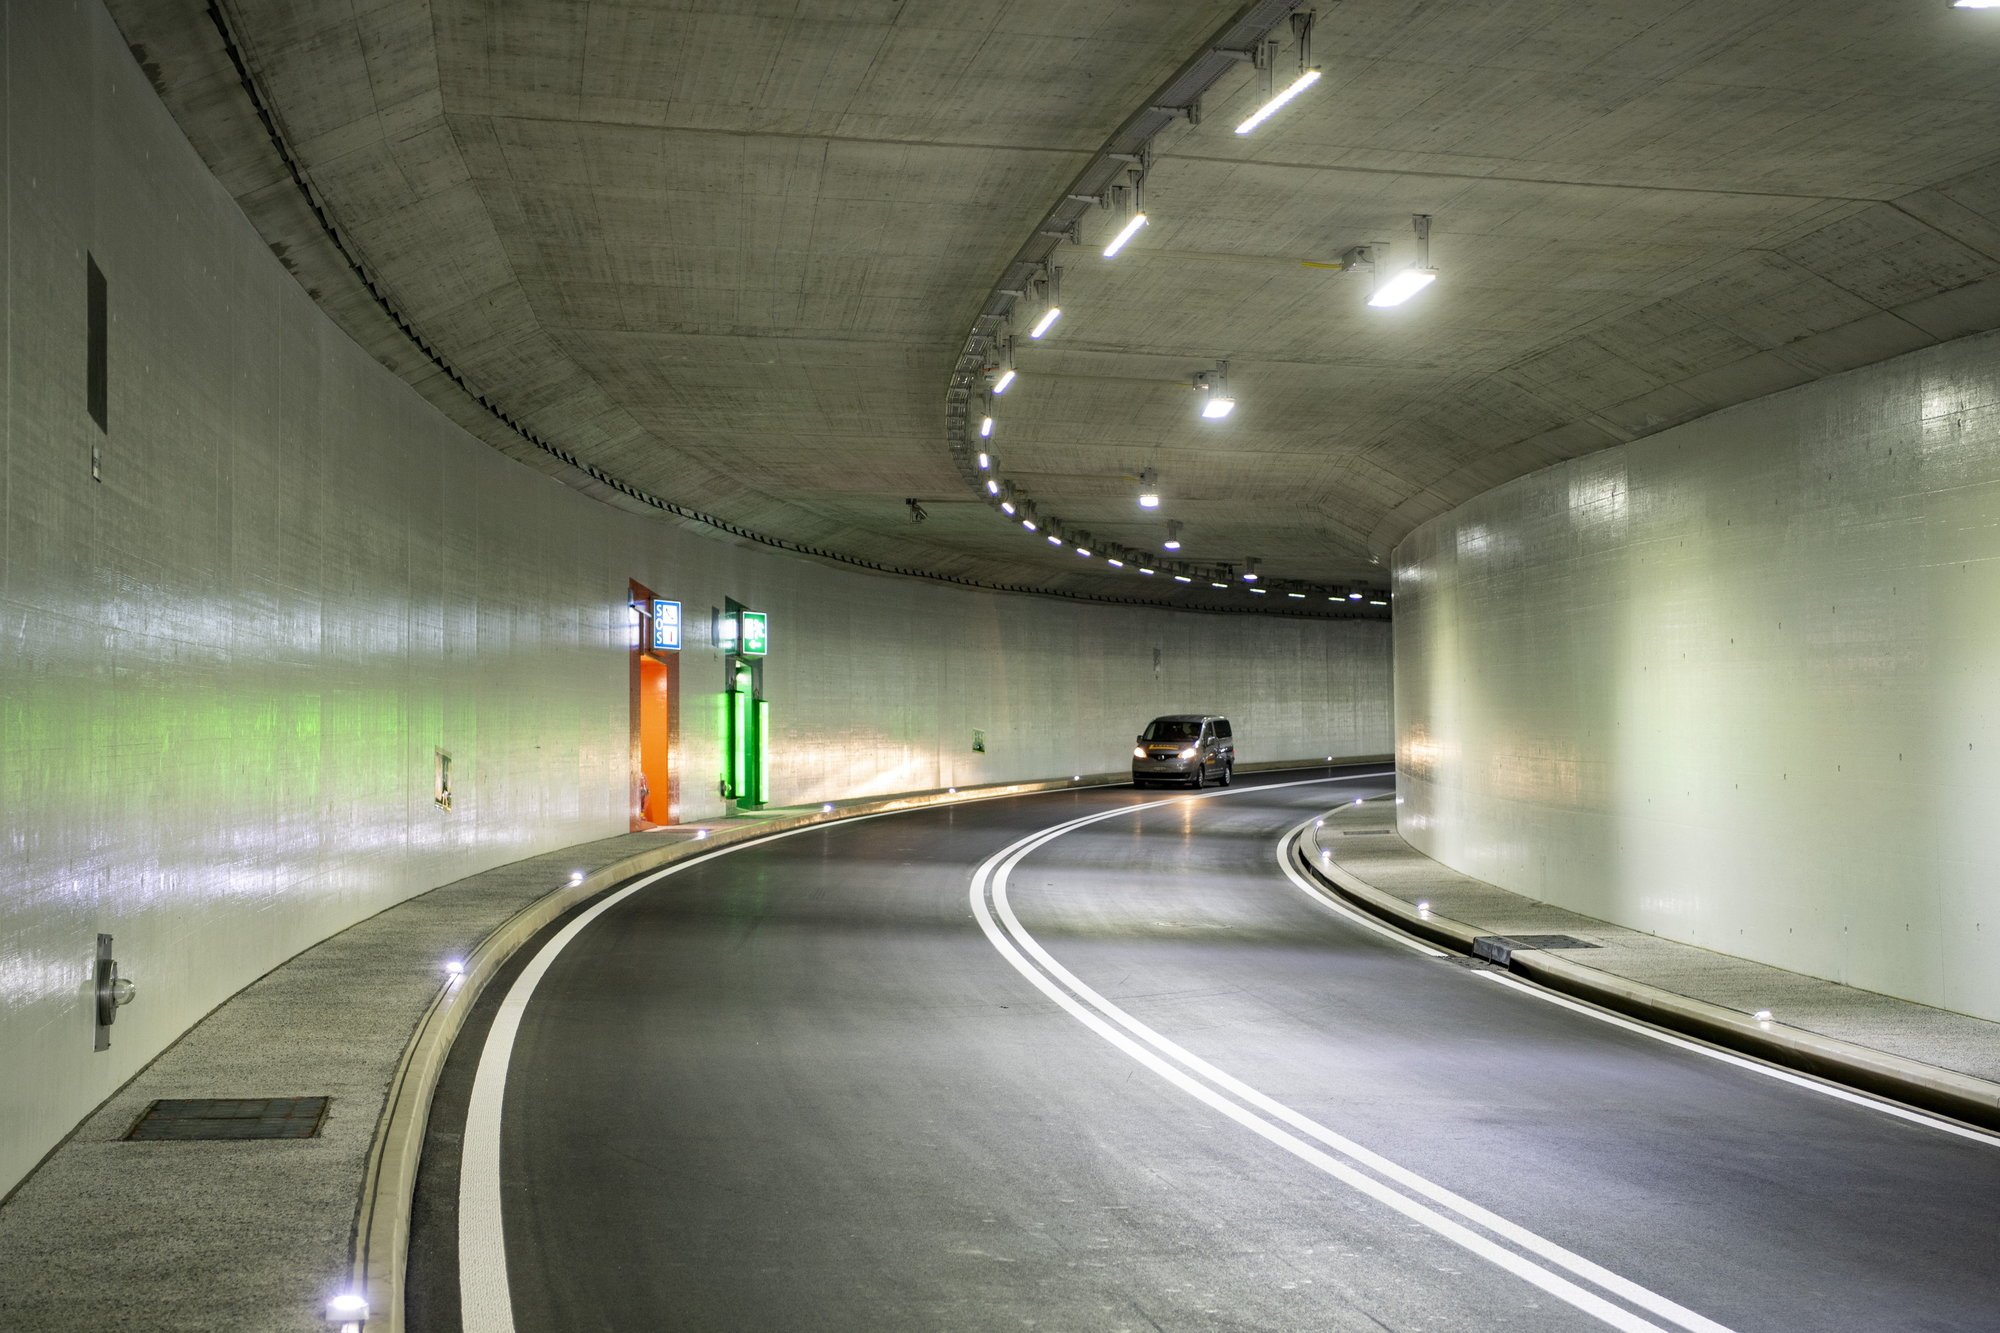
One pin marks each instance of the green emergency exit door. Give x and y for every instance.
(749, 769)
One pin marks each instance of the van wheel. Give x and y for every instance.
(1200, 778)
(1228, 774)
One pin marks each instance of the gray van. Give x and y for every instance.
(1185, 747)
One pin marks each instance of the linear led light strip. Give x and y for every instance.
(1298, 85)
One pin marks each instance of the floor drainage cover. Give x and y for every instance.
(1500, 948)
(189, 1118)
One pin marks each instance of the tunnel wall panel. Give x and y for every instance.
(225, 666)
(1737, 683)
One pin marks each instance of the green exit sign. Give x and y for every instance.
(756, 634)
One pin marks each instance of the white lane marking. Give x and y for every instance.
(1778, 1072)
(485, 1297)
(992, 877)
(1339, 908)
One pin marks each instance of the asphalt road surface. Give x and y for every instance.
(932, 1071)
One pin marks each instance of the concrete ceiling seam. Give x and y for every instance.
(313, 200)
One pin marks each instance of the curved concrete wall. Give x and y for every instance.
(1737, 683)
(225, 666)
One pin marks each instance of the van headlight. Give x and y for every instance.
(1138, 752)
(1188, 753)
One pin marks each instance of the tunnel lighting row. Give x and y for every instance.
(1040, 293)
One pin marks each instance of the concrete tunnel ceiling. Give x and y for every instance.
(729, 253)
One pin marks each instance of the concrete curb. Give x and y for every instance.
(381, 1244)
(1943, 1091)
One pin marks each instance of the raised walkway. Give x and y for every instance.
(1942, 1061)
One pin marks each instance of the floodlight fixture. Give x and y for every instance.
(1410, 281)
(986, 428)
(1173, 541)
(985, 460)
(1213, 386)
(1250, 569)
(1149, 488)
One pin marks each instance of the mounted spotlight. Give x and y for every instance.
(1250, 569)
(1173, 541)
(1213, 386)
(1275, 99)
(1149, 488)
(1051, 303)
(1410, 281)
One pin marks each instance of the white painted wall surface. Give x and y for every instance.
(224, 667)
(1737, 683)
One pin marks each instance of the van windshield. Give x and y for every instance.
(1172, 729)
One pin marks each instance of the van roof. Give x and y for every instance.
(1188, 717)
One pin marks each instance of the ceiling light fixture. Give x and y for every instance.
(1131, 201)
(1149, 488)
(1975, 4)
(1173, 541)
(1308, 76)
(1213, 386)
(1182, 578)
(1249, 569)
(1144, 570)
(986, 428)
(1114, 562)
(1411, 280)
(985, 460)
(1277, 102)
(1052, 297)
(1006, 368)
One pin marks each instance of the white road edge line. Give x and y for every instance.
(1779, 1072)
(992, 876)
(1341, 909)
(1640, 1026)
(485, 1297)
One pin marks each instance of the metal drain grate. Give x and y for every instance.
(1500, 948)
(192, 1118)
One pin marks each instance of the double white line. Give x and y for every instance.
(1566, 1276)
